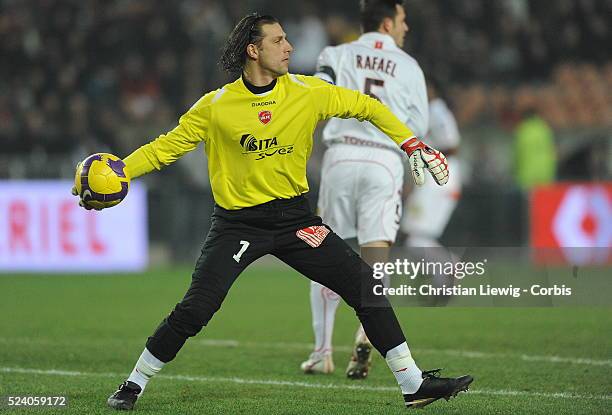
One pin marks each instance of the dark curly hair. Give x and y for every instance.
(247, 31)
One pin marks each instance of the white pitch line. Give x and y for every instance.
(560, 359)
(449, 352)
(308, 346)
(267, 382)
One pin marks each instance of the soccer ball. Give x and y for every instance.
(102, 181)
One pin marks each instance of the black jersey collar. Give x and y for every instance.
(258, 89)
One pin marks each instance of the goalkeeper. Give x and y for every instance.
(257, 133)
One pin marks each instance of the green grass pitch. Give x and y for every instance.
(79, 336)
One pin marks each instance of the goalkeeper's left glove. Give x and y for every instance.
(422, 156)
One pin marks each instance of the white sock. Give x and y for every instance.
(422, 241)
(402, 365)
(323, 303)
(360, 336)
(146, 367)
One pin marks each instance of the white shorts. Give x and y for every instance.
(360, 193)
(429, 207)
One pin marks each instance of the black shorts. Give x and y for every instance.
(239, 237)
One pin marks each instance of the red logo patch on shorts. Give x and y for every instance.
(313, 235)
(265, 116)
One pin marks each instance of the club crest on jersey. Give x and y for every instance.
(265, 116)
(313, 235)
(264, 147)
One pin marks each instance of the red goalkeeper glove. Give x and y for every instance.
(421, 157)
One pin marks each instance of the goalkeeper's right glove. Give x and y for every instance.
(422, 156)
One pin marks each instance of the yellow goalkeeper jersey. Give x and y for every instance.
(258, 144)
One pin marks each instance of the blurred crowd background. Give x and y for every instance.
(80, 76)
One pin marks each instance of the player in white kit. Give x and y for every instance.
(429, 207)
(362, 173)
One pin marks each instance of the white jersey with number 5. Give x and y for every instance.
(375, 65)
(362, 172)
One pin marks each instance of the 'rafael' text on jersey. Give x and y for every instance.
(375, 65)
(258, 144)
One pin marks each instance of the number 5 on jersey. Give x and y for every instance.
(370, 83)
(245, 245)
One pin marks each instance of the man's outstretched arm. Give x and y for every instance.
(335, 101)
(169, 147)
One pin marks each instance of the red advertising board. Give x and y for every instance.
(572, 223)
